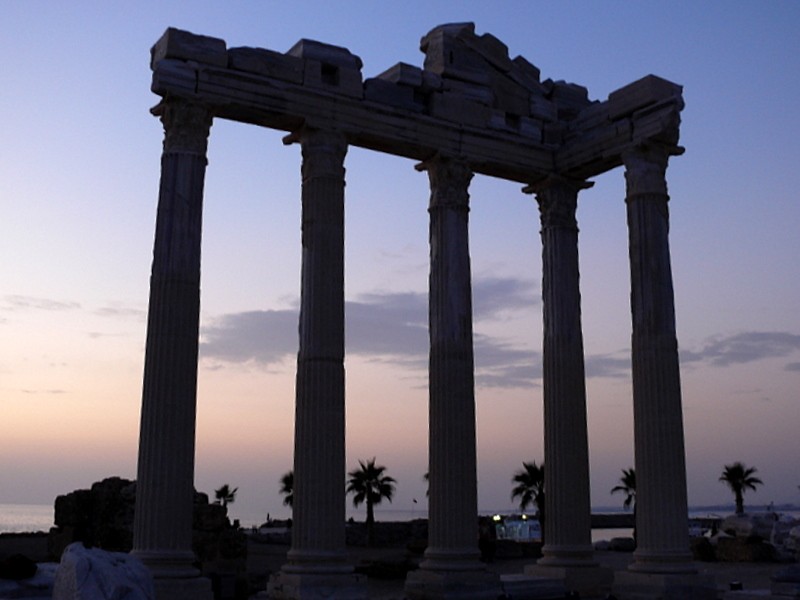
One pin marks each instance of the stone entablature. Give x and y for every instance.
(470, 100)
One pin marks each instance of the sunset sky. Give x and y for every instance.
(79, 173)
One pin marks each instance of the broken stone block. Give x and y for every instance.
(525, 74)
(454, 107)
(490, 48)
(569, 99)
(472, 92)
(509, 95)
(403, 74)
(392, 94)
(431, 82)
(267, 63)
(637, 95)
(531, 128)
(543, 109)
(326, 53)
(450, 57)
(94, 574)
(183, 45)
(328, 67)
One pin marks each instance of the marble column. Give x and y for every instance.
(165, 481)
(568, 551)
(661, 503)
(451, 565)
(568, 538)
(317, 561)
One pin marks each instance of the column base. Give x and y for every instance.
(189, 588)
(317, 562)
(452, 560)
(664, 586)
(425, 584)
(316, 586)
(589, 580)
(581, 555)
(525, 587)
(661, 562)
(166, 564)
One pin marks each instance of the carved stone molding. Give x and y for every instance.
(558, 200)
(449, 180)
(186, 126)
(645, 170)
(323, 153)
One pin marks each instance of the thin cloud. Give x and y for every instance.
(608, 365)
(746, 347)
(18, 302)
(792, 366)
(389, 327)
(121, 312)
(265, 336)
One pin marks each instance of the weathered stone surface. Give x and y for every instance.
(526, 74)
(749, 526)
(94, 574)
(641, 93)
(179, 44)
(392, 94)
(454, 107)
(404, 74)
(329, 67)
(102, 517)
(592, 143)
(267, 63)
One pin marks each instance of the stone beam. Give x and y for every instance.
(647, 110)
(470, 101)
(263, 101)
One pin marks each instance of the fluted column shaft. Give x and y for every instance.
(453, 505)
(661, 502)
(567, 531)
(318, 534)
(165, 480)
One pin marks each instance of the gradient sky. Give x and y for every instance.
(79, 172)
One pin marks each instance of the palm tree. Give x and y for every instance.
(530, 489)
(739, 478)
(369, 485)
(287, 488)
(225, 495)
(627, 485)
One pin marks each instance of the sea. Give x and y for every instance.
(23, 518)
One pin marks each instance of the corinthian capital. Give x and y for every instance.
(558, 200)
(645, 169)
(186, 125)
(323, 153)
(449, 180)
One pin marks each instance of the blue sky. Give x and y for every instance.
(79, 169)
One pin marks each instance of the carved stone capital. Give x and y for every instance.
(323, 153)
(645, 169)
(558, 200)
(186, 126)
(449, 180)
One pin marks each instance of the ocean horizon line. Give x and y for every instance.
(30, 517)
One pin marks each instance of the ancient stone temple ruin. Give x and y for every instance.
(470, 109)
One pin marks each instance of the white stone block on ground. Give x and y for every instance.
(94, 574)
